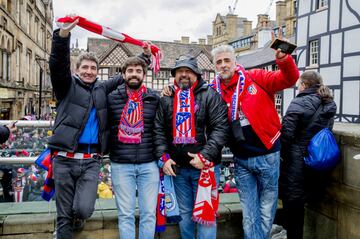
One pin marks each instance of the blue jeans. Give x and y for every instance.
(257, 183)
(126, 178)
(186, 184)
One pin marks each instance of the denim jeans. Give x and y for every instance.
(186, 184)
(126, 178)
(76, 183)
(257, 183)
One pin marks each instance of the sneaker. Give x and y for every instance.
(78, 224)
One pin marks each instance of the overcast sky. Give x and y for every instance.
(163, 20)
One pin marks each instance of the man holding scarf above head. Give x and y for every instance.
(80, 133)
(255, 131)
(132, 108)
(190, 131)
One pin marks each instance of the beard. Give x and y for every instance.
(134, 85)
(184, 83)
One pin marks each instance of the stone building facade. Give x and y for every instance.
(25, 43)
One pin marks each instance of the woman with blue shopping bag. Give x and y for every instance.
(310, 112)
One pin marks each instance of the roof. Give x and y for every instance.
(171, 51)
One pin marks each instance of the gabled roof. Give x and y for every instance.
(103, 48)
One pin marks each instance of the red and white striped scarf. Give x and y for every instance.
(207, 196)
(183, 115)
(131, 124)
(112, 34)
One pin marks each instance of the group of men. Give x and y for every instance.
(186, 130)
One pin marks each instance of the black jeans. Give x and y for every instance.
(76, 183)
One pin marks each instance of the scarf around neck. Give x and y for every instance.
(183, 115)
(234, 103)
(131, 125)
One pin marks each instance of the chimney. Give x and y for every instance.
(247, 27)
(280, 12)
(209, 39)
(231, 26)
(263, 21)
(185, 40)
(77, 43)
(202, 41)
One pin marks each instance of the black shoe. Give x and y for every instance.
(78, 225)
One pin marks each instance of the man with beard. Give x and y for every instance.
(255, 131)
(132, 109)
(80, 133)
(190, 131)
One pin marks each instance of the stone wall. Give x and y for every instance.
(338, 215)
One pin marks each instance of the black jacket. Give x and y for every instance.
(212, 127)
(295, 138)
(75, 100)
(4, 134)
(132, 153)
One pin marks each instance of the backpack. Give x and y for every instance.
(323, 151)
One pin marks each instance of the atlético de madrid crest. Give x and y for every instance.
(183, 122)
(252, 89)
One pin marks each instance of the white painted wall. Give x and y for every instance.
(288, 96)
(352, 41)
(302, 58)
(318, 23)
(348, 18)
(302, 26)
(334, 14)
(331, 75)
(351, 66)
(337, 97)
(304, 7)
(336, 47)
(351, 97)
(324, 50)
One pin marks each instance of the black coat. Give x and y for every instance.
(4, 134)
(296, 178)
(75, 100)
(132, 153)
(212, 127)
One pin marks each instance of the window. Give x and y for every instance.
(314, 52)
(321, 3)
(104, 73)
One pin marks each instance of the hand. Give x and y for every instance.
(166, 91)
(167, 168)
(196, 161)
(11, 127)
(65, 30)
(279, 54)
(147, 48)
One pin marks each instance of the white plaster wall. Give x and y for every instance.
(336, 47)
(288, 96)
(352, 41)
(334, 14)
(350, 94)
(337, 97)
(348, 18)
(302, 58)
(331, 75)
(318, 23)
(302, 26)
(304, 6)
(324, 50)
(351, 66)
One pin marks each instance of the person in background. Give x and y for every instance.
(299, 183)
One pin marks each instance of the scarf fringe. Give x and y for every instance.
(184, 140)
(127, 140)
(203, 222)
